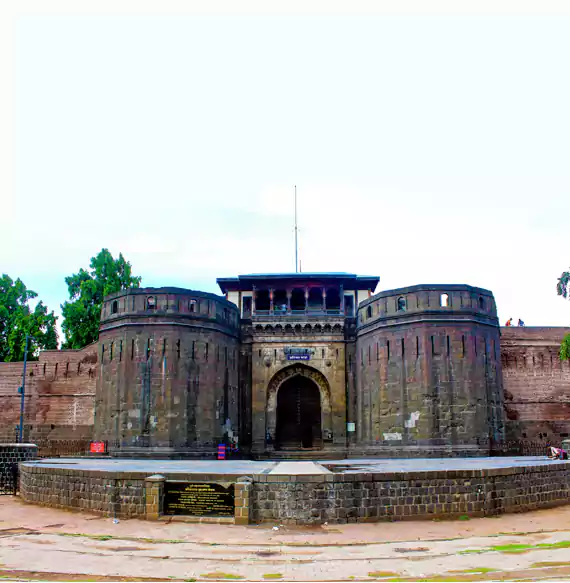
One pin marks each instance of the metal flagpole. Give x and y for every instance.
(296, 246)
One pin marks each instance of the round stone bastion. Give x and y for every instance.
(244, 492)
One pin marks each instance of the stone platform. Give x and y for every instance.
(355, 490)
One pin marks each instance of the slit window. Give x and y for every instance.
(401, 304)
(132, 348)
(115, 307)
(121, 351)
(178, 348)
(151, 303)
(403, 349)
(448, 347)
(481, 303)
(463, 346)
(417, 346)
(444, 300)
(148, 349)
(388, 349)
(192, 305)
(369, 312)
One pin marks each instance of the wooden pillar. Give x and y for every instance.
(289, 292)
(271, 300)
(324, 299)
(306, 298)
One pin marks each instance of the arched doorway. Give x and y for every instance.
(298, 414)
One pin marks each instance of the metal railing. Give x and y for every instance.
(279, 313)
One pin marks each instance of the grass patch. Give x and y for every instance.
(519, 548)
(272, 576)
(475, 571)
(549, 564)
(379, 574)
(216, 575)
(464, 517)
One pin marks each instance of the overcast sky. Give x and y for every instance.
(427, 146)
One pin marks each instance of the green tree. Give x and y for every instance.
(18, 319)
(563, 289)
(86, 292)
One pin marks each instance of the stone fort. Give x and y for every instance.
(304, 365)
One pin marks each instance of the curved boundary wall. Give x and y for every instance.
(311, 499)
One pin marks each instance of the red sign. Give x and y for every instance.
(97, 447)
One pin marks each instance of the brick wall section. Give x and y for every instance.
(536, 384)
(97, 492)
(412, 496)
(60, 395)
(11, 454)
(333, 498)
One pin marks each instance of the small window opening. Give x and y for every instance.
(148, 349)
(151, 303)
(192, 305)
(448, 346)
(377, 352)
(44, 369)
(115, 307)
(260, 353)
(133, 303)
(111, 351)
(403, 349)
(163, 346)
(463, 346)
(102, 354)
(417, 346)
(481, 303)
(401, 304)
(132, 348)
(432, 345)
(475, 344)
(193, 349)
(369, 355)
(78, 368)
(369, 312)
(226, 355)
(55, 373)
(388, 349)
(206, 351)
(444, 300)
(323, 353)
(178, 348)
(121, 351)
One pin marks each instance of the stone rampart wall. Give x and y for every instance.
(315, 499)
(59, 395)
(536, 384)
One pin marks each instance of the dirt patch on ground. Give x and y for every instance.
(44, 576)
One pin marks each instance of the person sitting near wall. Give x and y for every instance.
(557, 453)
(521, 323)
(509, 322)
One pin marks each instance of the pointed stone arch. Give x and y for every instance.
(285, 374)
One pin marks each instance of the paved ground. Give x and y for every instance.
(46, 544)
(247, 467)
